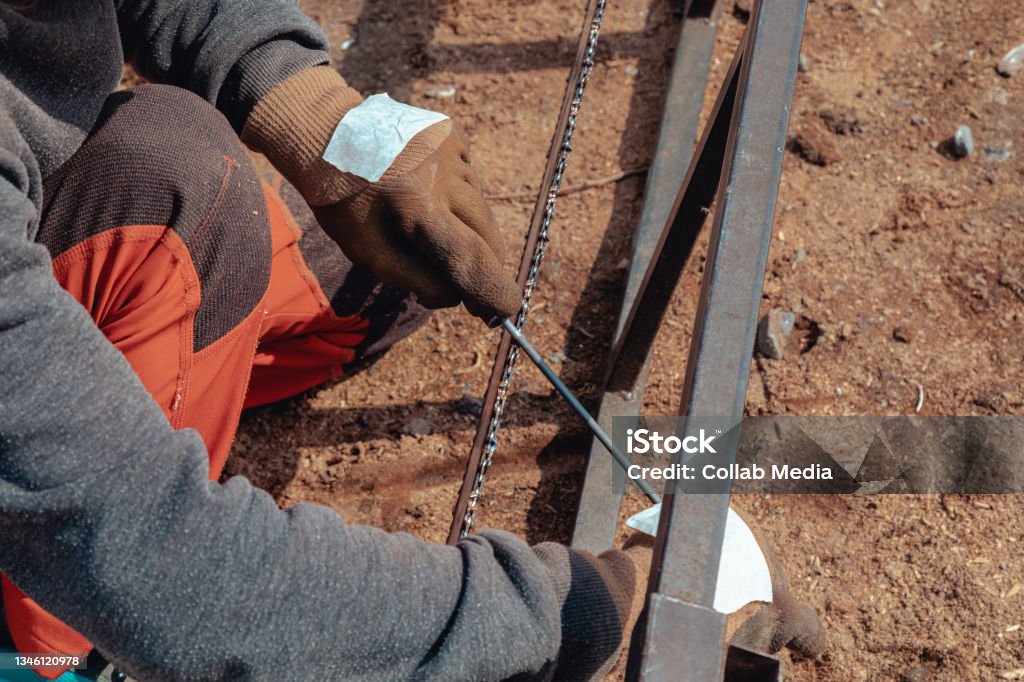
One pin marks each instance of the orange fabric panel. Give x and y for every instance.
(140, 287)
(303, 342)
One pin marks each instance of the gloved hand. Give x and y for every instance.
(785, 622)
(423, 226)
(759, 626)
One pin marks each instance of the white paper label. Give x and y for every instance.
(371, 136)
(743, 575)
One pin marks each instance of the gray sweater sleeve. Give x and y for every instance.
(108, 521)
(231, 52)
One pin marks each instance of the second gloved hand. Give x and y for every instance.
(423, 226)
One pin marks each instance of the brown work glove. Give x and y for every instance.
(424, 226)
(758, 626)
(783, 623)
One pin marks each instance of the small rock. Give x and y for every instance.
(903, 334)
(996, 154)
(963, 141)
(803, 65)
(800, 255)
(1012, 62)
(556, 358)
(773, 333)
(918, 121)
(347, 43)
(961, 145)
(846, 331)
(1000, 96)
(417, 426)
(631, 70)
(440, 93)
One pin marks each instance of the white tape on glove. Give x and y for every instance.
(371, 136)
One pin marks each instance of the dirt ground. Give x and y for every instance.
(905, 267)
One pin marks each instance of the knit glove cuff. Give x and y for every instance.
(292, 125)
(596, 595)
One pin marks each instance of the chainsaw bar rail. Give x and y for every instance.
(484, 442)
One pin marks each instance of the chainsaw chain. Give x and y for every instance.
(543, 238)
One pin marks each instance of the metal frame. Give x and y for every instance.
(736, 168)
(598, 512)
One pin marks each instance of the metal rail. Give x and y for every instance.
(755, 108)
(598, 513)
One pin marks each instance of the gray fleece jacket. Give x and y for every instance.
(107, 518)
